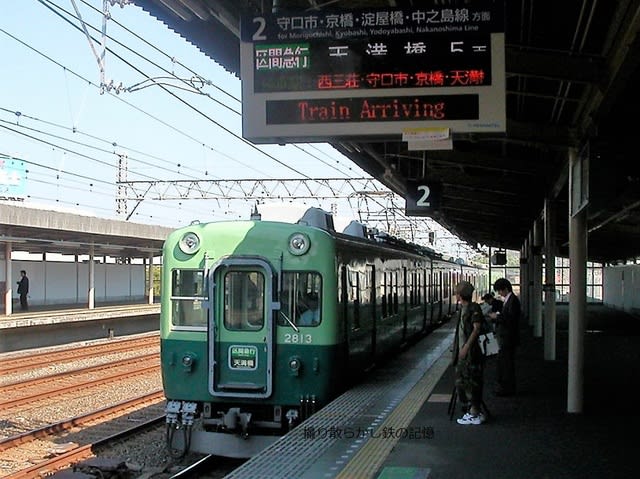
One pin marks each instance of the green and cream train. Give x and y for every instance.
(263, 323)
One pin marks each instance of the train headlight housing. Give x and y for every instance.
(295, 364)
(188, 361)
(189, 243)
(299, 244)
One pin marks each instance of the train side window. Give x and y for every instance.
(188, 291)
(353, 300)
(390, 290)
(395, 287)
(301, 298)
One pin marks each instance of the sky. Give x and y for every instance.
(168, 111)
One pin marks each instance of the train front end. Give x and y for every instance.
(244, 357)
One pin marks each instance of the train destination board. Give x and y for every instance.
(372, 109)
(313, 75)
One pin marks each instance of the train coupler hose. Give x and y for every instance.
(185, 411)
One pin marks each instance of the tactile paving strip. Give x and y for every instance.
(350, 437)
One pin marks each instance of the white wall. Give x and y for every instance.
(622, 287)
(54, 282)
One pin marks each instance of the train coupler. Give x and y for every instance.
(172, 410)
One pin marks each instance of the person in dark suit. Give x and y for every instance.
(23, 290)
(507, 331)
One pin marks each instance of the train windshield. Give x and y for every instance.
(188, 292)
(300, 299)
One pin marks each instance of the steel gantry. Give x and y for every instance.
(377, 206)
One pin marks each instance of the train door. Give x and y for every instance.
(241, 328)
(440, 296)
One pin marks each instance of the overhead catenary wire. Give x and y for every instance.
(180, 99)
(190, 70)
(66, 69)
(114, 96)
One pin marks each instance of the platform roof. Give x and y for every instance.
(572, 70)
(47, 231)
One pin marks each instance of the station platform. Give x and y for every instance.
(396, 425)
(55, 324)
(63, 313)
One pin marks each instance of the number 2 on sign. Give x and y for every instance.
(422, 201)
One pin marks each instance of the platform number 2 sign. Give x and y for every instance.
(423, 197)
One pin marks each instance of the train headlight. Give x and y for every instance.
(189, 243)
(295, 364)
(299, 244)
(188, 361)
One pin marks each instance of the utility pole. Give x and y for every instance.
(121, 195)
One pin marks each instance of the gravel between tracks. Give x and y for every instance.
(144, 453)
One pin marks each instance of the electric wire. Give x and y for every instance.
(207, 82)
(171, 73)
(96, 85)
(183, 101)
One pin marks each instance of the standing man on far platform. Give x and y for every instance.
(23, 290)
(507, 330)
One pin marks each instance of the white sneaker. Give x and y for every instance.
(472, 419)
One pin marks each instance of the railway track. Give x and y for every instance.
(44, 359)
(74, 453)
(59, 384)
(53, 430)
(58, 407)
(96, 441)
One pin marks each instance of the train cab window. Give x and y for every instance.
(244, 300)
(300, 299)
(188, 292)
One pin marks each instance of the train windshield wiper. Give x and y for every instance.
(289, 321)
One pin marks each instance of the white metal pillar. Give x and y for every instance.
(44, 275)
(77, 260)
(577, 298)
(550, 283)
(150, 275)
(91, 299)
(8, 289)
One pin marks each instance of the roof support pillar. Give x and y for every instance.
(91, 294)
(524, 278)
(8, 288)
(150, 276)
(549, 287)
(577, 298)
(536, 286)
(44, 275)
(530, 278)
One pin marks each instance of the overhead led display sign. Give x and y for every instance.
(313, 75)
